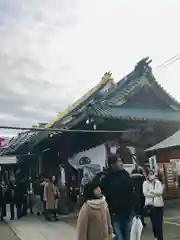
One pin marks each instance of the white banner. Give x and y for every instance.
(93, 158)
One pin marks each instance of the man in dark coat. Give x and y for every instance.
(30, 193)
(20, 197)
(116, 185)
(11, 196)
(3, 192)
(138, 179)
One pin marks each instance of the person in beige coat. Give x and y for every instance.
(51, 196)
(94, 222)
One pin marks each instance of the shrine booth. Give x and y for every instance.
(167, 158)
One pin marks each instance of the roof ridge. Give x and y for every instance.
(104, 80)
(106, 106)
(132, 80)
(140, 69)
(117, 112)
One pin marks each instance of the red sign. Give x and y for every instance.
(4, 142)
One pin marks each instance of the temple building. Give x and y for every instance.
(135, 112)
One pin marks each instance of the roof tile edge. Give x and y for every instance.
(105, 79)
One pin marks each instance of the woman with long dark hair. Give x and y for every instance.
(138, 179)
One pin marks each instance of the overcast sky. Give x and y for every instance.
(53, 51)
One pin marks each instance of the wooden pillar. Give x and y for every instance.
(40, 164)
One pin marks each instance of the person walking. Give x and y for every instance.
(3, 191)
(21, 197)
(57, 196)
(30, 195)
(24, 186)
(94, 222)
(116, 186)
(153, 192)
(138, 179)
(11, 196)
(50, 198)
(43, 203)
(38, 194)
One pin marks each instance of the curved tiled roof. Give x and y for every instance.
(115, 96)
(118, 112)
(22, 138)
(172, 141)
(129, 83)
(34, 137)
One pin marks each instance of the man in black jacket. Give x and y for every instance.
(116, 185)
(3, 191)
(138, 179)
(11, 196)
(20, 197)
(30, 192)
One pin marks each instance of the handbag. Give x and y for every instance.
(56, 196)
(147, 210)
(136, 229)
(111, 236)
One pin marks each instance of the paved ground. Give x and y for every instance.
(171, 222)
(6, 232)
(31, 228)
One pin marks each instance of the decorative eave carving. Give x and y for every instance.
(107, 76)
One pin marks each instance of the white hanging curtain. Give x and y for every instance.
(94, 158)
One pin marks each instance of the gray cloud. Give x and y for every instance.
(35, 73)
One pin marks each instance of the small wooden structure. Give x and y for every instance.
(167, 154)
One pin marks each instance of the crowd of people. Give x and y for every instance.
(26, 196)
(110, 200)
(113, 197)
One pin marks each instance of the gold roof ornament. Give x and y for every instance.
(39, 125)
(107, 76)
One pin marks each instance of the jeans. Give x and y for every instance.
(19, 209)
(12, 205)
(24, 205)
(122, 227)
(156, 216)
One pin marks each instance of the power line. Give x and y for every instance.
(168, 62)
(172, 62)
(62, 130)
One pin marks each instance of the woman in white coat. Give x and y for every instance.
(153, 192)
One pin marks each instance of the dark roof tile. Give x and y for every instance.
(116, 112)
